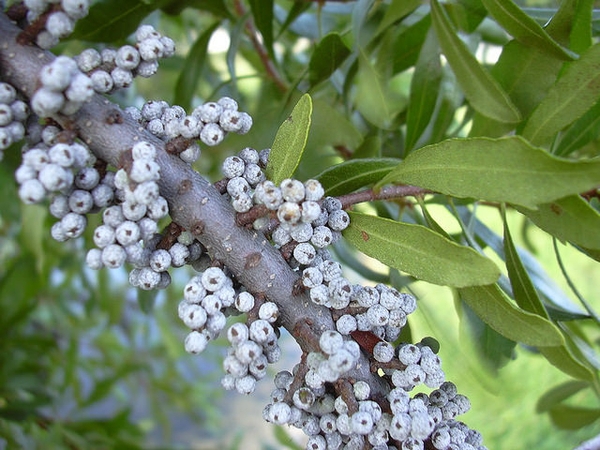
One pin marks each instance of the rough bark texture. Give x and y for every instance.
(193, 202)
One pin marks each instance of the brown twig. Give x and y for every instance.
(385, 193)
(262, 52)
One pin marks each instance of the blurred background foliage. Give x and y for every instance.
(88, 362)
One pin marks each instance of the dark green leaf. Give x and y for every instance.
(290, 141)
(576, 91)
(503, 170)
(484, 93)
(570, 219)
(329, 54)
(572, 417)
(419, 251)
(499, 312)
(525, 29)
(584, 131)
(370, 147)
(396, 11)
(408, 44)
(571, 24)
(424, 89)
(262, 11)
(216, 7)
(146, 300)
(558, 394)
(522, 288)
(295, 11)
(111, 20)
(354, 174)
(190, 73)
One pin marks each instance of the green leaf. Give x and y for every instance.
(523, 290)
(571, 25)
(424, 90)
(558, 394)
(373, 99)
(396, 11)
(572, 417)
(524, 29)
(502, 170)
(189, 78)
(497, 310)
(484, 93)
(407, 44)
(584, 131)
(570, 219)
(351, 175)
(527, 298)
(262, 11)
(111, 20)
(419, 251)
(329, 54)
(576, 91)
(290, 141)
(216, 7)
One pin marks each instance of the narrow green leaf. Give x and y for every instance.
(216, 7)
(570, 219)
(190, 73)
(262, 11)
(407, 44)
(295, 11)
(499, 312)
(372, 94)
(111, 20)
(502, 170)
(330, 127)
(329, 54)
(484, 93)
(419, 251)
(576, 91)
(582, 132)
(290, 141)
(524, 29)
(571, 25)
(424, 90)
(523, 290)
(573, 417)
(562, 358)
(354, 174)
(396, 11)
(558, 394)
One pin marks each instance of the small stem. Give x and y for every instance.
(385, 193)
(263, 54)
(345, 390)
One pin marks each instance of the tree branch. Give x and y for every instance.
(194, 203)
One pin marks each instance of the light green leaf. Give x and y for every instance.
(502, 170)
(484, 93)
(373, 99)
(558, 394)
(525, 29)
(570, 219)
(190, 73)
(419, 251)
(329, 54)
(396, 11)
(424, 90)
(572, 417)
(290, 141)
(499, 312)
(351, 175)
(562, 358)
(576, 91)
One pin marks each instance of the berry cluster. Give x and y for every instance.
(208, 299)
(64, 88)
(209, 122)
(53, 20)
(13, 113)
(112, 69)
